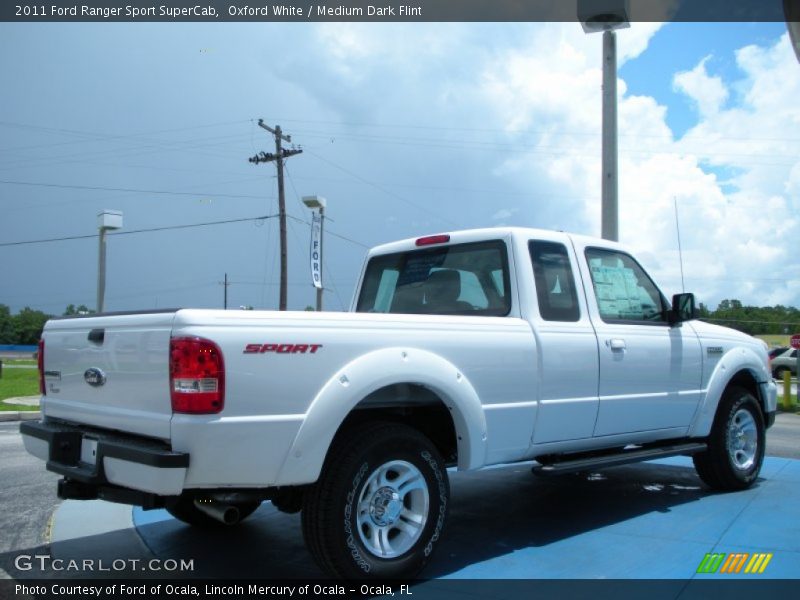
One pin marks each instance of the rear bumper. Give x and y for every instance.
(96, 459)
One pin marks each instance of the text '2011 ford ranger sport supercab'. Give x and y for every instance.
(465, 349)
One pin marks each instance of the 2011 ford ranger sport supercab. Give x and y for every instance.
(465, 349)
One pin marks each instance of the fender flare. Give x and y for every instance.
(369, 373)
(732, 363)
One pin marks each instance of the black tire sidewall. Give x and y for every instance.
(416, 450)
(742, 400)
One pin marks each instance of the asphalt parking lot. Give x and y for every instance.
(649, 521)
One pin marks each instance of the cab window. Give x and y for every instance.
(555, 284)
(624, 292)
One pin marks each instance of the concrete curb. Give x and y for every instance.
(21, 415)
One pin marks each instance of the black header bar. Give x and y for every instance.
(388, 10)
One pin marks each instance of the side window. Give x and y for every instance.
(555, 283)
(623, 290)
(386, 290)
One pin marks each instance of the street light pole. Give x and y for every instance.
(609, 189)
(606, 16)
(106, 220)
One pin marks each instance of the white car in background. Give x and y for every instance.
(787, 361)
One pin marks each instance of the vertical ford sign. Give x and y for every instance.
(316, 262)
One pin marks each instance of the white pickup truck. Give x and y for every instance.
(461, 350)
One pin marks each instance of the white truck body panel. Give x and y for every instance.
(517, 386)
(134, 357)
(497, 368)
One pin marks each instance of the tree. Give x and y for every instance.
(28, 324)
(702, 311)
(7, 333)
(80, 310)
(756, 320)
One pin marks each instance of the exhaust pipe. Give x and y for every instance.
(224, 513)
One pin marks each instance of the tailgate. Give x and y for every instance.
(110, 371)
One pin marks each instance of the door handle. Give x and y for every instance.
(97, 336)
(616, 344)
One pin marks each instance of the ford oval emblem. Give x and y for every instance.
(94, 377)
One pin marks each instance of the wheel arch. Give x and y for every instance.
(731, 371)
(401, 384)
(411, 404)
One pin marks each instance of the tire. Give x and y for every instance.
(778, 373)
(183, 509)
(736, 444)
(359, 522)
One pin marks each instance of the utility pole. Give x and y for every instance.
(225, 296)
(280, 154)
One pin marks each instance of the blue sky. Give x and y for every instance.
(407, 129)
(678, 48)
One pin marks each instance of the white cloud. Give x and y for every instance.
(504, 214)
(734, 176)
(709, 92)
(412, 129)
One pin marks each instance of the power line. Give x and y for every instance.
(133, 231)
(384, 190)
(114, 189)
(748, 321)
(522, 147)
(329, 232)
(146, 148)
(481, 130)
(90, 136)
(507, 131)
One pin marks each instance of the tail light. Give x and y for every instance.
(40, 363)
(196, 376)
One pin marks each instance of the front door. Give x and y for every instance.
(650, 372)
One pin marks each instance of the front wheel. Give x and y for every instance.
(736, 444)
(380, 504)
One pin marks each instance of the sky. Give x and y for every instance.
(406, 129)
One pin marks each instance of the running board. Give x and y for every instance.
(620, 458)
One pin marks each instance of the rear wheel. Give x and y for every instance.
(184, 509)
(736, 444)
(380, 504)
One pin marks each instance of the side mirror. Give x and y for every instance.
(682, 308)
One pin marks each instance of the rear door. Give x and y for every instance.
(567, 344)
(110, 372)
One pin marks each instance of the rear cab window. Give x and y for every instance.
(460, 279)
